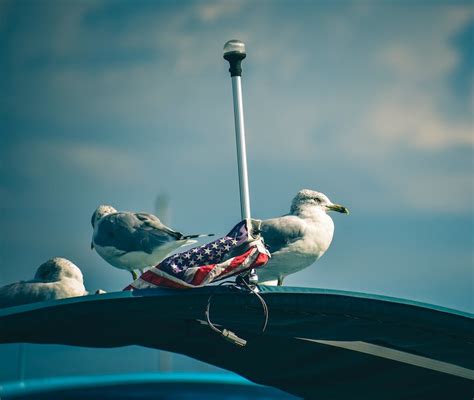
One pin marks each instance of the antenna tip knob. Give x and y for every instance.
(234, 52)
(234, 46)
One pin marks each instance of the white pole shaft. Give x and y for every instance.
(241, 149)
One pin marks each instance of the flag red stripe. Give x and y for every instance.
(240, 259)
(158, 280)
(262, 259)
(202, 273)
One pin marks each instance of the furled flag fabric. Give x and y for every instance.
(236, 252)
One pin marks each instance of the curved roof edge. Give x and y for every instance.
(218, 289)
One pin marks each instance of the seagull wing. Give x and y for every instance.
(32, 291)
(153, 223)
(279, 232)
(22, 293)
(129, 232)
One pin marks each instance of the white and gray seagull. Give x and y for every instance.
(57, 278)
(134, 241)
(298, 239)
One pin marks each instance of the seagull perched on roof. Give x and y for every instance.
(134, 241)
(57, 278)
(298, 239)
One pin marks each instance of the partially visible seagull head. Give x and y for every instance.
(100, 212)
(310, 198)
(57, 269)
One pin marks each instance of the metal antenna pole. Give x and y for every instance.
(234, 52)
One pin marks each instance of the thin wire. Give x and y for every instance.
(208, 318)
(262, 301)
(232, 284)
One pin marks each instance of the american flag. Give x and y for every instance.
(234, 253)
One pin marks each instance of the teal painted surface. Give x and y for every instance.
(33, 386)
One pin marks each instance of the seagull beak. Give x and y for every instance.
(338, 208)
(92, 245)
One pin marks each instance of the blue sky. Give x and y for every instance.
(369, 102)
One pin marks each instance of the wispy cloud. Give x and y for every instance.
(414, 120)
(43, 159)
(319, 87)
(214, 10)
(411, 106)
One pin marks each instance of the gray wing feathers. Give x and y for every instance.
(129, 232)
(25, 292)
(279, 232)
(150, 220)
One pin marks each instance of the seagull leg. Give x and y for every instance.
(280, 280)
(134, 275)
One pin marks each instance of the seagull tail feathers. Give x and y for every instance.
(197, 236)
(269, 283)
